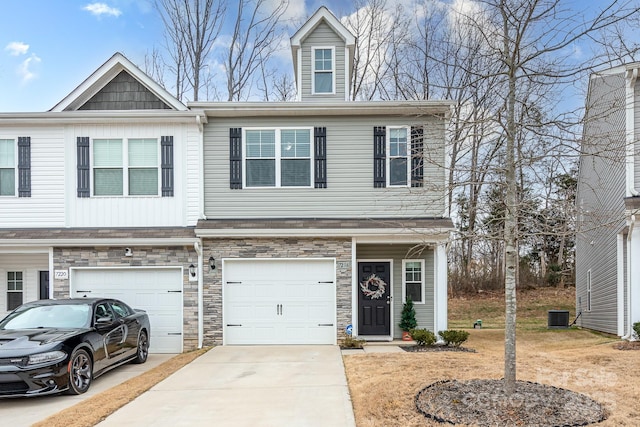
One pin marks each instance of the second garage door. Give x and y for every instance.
(156, 290)
(279, 301)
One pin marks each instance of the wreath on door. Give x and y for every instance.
(373, 287)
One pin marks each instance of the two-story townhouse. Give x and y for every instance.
(100, 196)
(322, 215)
(608, 199)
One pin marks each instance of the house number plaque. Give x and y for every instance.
(344, 264)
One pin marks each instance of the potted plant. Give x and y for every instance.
(407, 319)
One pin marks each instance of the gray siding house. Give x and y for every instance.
(323, 214)
(607, 276)
(232, 223)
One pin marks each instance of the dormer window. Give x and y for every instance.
(323, 70)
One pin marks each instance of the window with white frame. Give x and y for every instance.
(7, 167)
(589, 290)
(278, 157)
(125, 167)
(398, 164)
(323, 70)
(14, 289)
(413, 280)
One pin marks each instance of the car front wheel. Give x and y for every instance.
(143, 348)
(80, 372)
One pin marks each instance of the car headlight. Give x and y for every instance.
(50, 356)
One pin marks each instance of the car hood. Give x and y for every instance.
(34, 339)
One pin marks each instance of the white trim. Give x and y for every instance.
(347, 75)
(589, 289)
(440, 288)
(333, 70)
(422, 280)
(323, 14)
(364, 235)
(104, 74)
(620, 274)
(354, 287)
(278, 156)
(391, 310)
(630, 143)
(84, 242)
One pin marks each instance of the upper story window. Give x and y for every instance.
(132, 161)
(323, 70)
(7, 167)
(398, 171)
(278, 157)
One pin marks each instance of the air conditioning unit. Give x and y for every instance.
(558, 319)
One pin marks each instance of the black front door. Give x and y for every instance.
(374, 298)
(44, 285)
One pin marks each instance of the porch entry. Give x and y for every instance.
(374, 298)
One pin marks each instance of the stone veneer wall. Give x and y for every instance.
(65, 258)
(340, 249)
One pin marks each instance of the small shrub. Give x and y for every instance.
(636, 329)
(408, 316)
(423, 337)
(351, 342)
(454, 337)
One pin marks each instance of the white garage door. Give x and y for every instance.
(158, 291)
(279, 302)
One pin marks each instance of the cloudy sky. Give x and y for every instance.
(48, 47)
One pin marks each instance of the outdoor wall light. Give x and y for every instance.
(128, 252)
(212, 263)
(192, 270)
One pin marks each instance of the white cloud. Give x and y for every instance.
(99, 9)
(17, 48)
(26, 69)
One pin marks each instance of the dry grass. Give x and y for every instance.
(383, 386)
(91, 411)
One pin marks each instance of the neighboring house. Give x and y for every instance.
(323, 213)
(232, 223)
(100, 196)
(608, 199)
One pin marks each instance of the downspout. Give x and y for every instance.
(197, 245)
(629, 334)
(632, 76)
(200, 124)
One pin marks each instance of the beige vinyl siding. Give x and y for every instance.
(138, 211)
(600, 201)
(45, 207)
(323, 36)
(349, 193)
(424, 312)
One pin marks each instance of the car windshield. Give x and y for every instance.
(49, 316)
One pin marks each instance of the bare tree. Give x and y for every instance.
(191, 28)
(256, 36)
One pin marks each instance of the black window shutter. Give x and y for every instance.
(417, 156)
(24, 166)
(379, 156)
(84, 169)
(235, 158)
(320, 156)
(166, 151)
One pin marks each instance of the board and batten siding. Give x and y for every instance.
(30, 265)
(45, 207)
(349, 193)
(601, 192)
(323, 36)
(138, 211)
(424, 312)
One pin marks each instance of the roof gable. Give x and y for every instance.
(118, 85)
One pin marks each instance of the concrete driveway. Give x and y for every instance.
(23, 412)
(302, 386)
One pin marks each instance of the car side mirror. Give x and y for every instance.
(103, 321)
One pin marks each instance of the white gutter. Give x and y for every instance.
(632, 76)
(390, 234)
(92, 116)
(200, 121)
(27, 243)
(197, 245)
(629, 334)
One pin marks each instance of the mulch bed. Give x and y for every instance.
(427, 348)
(627, 345)
(484, 403)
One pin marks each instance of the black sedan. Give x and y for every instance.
(50, 346)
